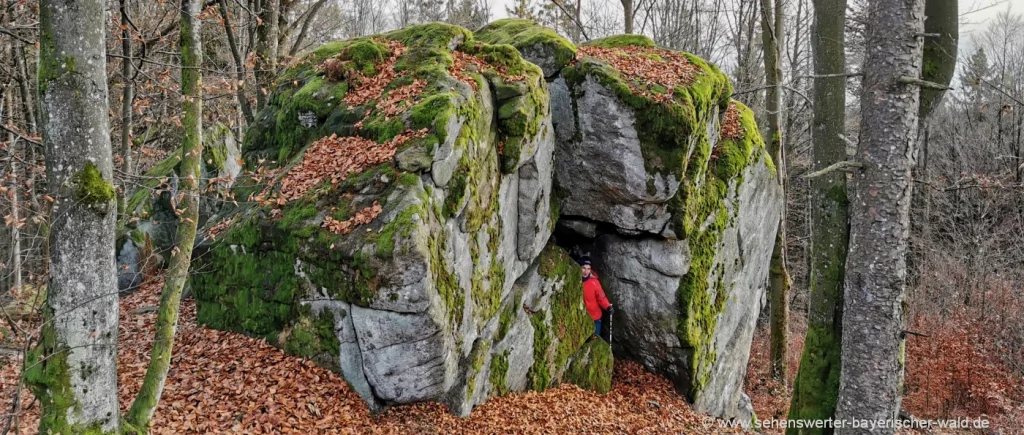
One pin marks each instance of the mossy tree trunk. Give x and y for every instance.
(73, 370)
(876, 266)
(187, 209)
(127, 91)
(772, 15)
(937, 66)
(939, 62)
(817, 382)
(266, 49)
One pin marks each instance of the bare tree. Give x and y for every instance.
(690, 25)
(267, 31)
(817, 383)
(772, 17)
(74, 369)
(186, 207)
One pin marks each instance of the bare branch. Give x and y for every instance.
(923, 83)
(843, 166)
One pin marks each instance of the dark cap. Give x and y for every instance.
(584, 261)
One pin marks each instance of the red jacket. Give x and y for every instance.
(593, 297)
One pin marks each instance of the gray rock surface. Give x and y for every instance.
(405, 356)
(600, 166)
(129, 275)
(746, 254)
(534, 220)
(642, 278)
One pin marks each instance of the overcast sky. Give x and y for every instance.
(974, 13)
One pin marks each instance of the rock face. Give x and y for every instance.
(646, 276)
(678, 202)
(402, 193)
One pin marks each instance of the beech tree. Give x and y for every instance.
(817, 383)
(186, 206)
(772, 17)
(73, 371)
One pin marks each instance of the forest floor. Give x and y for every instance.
(223, 382)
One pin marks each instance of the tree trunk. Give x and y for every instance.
(266, 50)
(310, 15)
(627, 9)
(243, 101)
(772, 15)
(187, 209)
(128, 90)
(876, 266)
(74, 369)
(8, 102)
(817, 382)
(18, 53)
(939, 62)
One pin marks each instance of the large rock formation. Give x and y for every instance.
(403, 246)
(669, 188)
(401, 199)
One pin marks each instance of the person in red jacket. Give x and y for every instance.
(593, 296)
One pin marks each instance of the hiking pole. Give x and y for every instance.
(611, 315)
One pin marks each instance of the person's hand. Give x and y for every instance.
(611, 309)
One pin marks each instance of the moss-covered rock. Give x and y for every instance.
(618, 41)
(419, 247)
(538, 44)
(674, 160)
(591, 367)
(399, 196)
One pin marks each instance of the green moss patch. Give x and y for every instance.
(592, 366)
(92, 188)
(570, 324)
(621, 41)
(49, 377)
(499, 371)
(700, 214)
(312, 336)
(525, 35)
(247, 281)
(540, 373)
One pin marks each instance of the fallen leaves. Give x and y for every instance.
(333, 159)
(363, 216)
(223, 382)
(732, 128)
(956, 371)
(219, 227)
(400, 99)
(368, 88)
(467, 62)
(648, 65)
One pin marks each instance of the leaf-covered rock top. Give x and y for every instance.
(378, 88)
